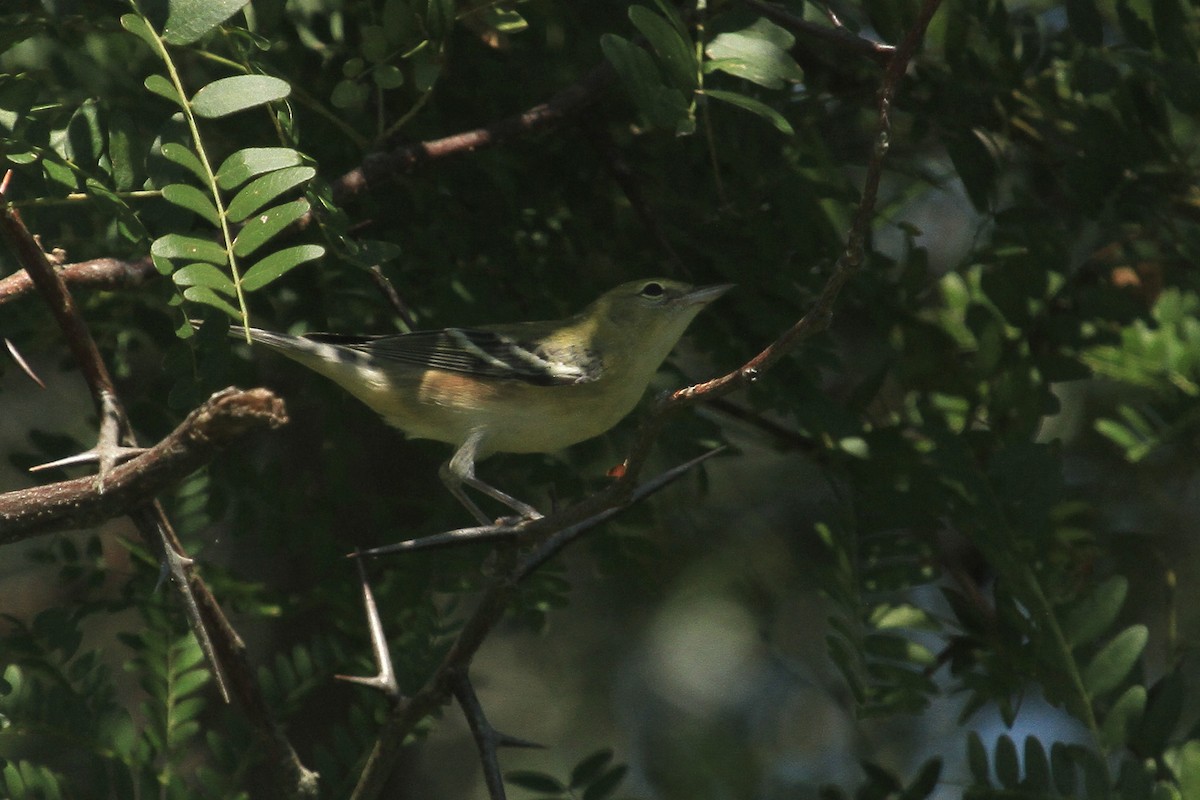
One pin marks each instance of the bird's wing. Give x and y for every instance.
(476, 352)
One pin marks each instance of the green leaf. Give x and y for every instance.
(1037, 765)
(663, 106)
(606, 784)
(1008, 770)
(1124, 717)
(188, 20)
(672, 16)
(1095, 612)
(753, 106)
(188, 248)
(250, 161)
(1172, 24)
(163, 88)
(975, 165)
(349, 94)
(977, 759)
(1164, 705)
(757, 53)
(122, 134)
(1184, 761)
(1115, 660)
(504, 20)
(263, 190)
(207, 275)
(1062, 767)
(1085, 21)
(186, 158)
(59, 173)
(86, 141)
(388, 76)
(675, 51)
(262, 227)
(439, 18)
(190, 682)
(374, 44)
(141, 29)
(231, 95)
(926, 781)
(534, 781)
(590, 767)
(202, 294)
(278, 263)
(187, 196)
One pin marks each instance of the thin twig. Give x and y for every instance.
(384, 168)
(393, 297)
(488, 740)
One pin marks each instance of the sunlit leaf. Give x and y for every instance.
(250, 161)
(278, 263)
(189, 197)
(188, 248)
(262, 227)
(263, 190)
(504, 20)
(188, 20)
(186, 158)
(140, 28)
(202, 294)
(163, 88)
(757, 53)
(231, 95)
(201, 274)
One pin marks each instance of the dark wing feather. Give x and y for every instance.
(476, 352)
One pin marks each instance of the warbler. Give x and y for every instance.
(526, 387)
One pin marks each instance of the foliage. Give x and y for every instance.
(994, 439)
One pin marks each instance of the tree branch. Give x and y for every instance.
(383, 168)
(85, 502)
(99, 273)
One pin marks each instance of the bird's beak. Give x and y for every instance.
(706, 294)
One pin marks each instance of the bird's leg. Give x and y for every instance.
(460, 469)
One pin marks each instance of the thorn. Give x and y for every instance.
(481, 533)
(385, 679)
(16, 356)
(120, 454)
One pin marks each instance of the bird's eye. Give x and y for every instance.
(653, 290)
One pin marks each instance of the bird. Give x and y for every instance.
(525, 387)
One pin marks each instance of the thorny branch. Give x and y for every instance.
(497, 595)
(218, 640)
(79, 503)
